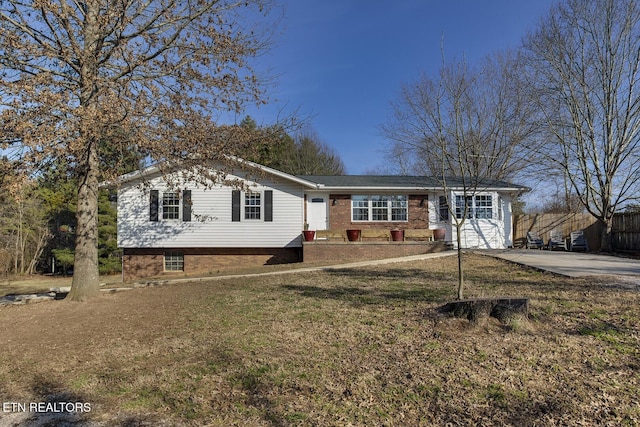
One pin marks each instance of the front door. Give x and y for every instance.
(317, 211)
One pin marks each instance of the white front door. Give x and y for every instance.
(317, 211)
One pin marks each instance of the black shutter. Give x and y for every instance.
(153, 205)
(235, 205)
(186, 205)
(268, 205)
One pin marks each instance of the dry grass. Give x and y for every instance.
(31, 285)
(20, 285)
(347, 347)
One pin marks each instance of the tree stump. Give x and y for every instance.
(504, 309)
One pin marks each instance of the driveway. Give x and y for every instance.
(572, 264)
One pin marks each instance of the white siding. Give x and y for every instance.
(494, 233)
(481, 234)
(211, 224)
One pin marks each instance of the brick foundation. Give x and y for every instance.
(143, 263)
(362, 251)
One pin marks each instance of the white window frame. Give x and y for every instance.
(483, 203)
(249, 210)
(385, 207)
(361, 204)
(173, 261)
(475, 203)
(399, 203)
(168, 213)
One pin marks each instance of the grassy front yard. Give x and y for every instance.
(348, 347)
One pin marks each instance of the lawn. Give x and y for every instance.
(358, 347)
(36, 284)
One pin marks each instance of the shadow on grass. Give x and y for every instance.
(486, 279)
(389, 273)
(256, 383)
(367, 296)
(51, 405)
(55, 405)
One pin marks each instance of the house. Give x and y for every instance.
(192, 228)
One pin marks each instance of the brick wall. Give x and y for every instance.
(144, 263)
(340, 214)
(138, 263)
(361, 251)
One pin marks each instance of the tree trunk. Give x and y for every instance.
(605, 235)
(43, 237)
(85, 283)
(23, 241)
(460, 269)
(504, 309)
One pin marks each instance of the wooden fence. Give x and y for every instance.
(625, 233)
(566, 223)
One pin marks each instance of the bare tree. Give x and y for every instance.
(466, 128)
(24, 225)
(76, 74)
(584, 74)
(487, 106)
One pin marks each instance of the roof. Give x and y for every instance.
(345, 182)
(403, 182)
(155, 169)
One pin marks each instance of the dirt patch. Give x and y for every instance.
(362, 346)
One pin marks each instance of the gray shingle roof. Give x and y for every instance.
(403, 182)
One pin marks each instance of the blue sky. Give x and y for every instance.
(341, 62)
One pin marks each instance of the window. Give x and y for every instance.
(256, 206)
(477, 207)
(171, 205)
(443, 209)
(173, 261)
(399, 208)
(379, 208)
(252, 204)
(360, 208)
(484, 208)
(462, 207)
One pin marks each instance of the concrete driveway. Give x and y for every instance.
(572, 264)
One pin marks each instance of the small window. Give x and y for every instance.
(379, 208)
(360, 208)
(174, 261)
(484, 207)
(252, 205)
(399, 211)
(171, 205)
(443, 209)
(464, 205)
